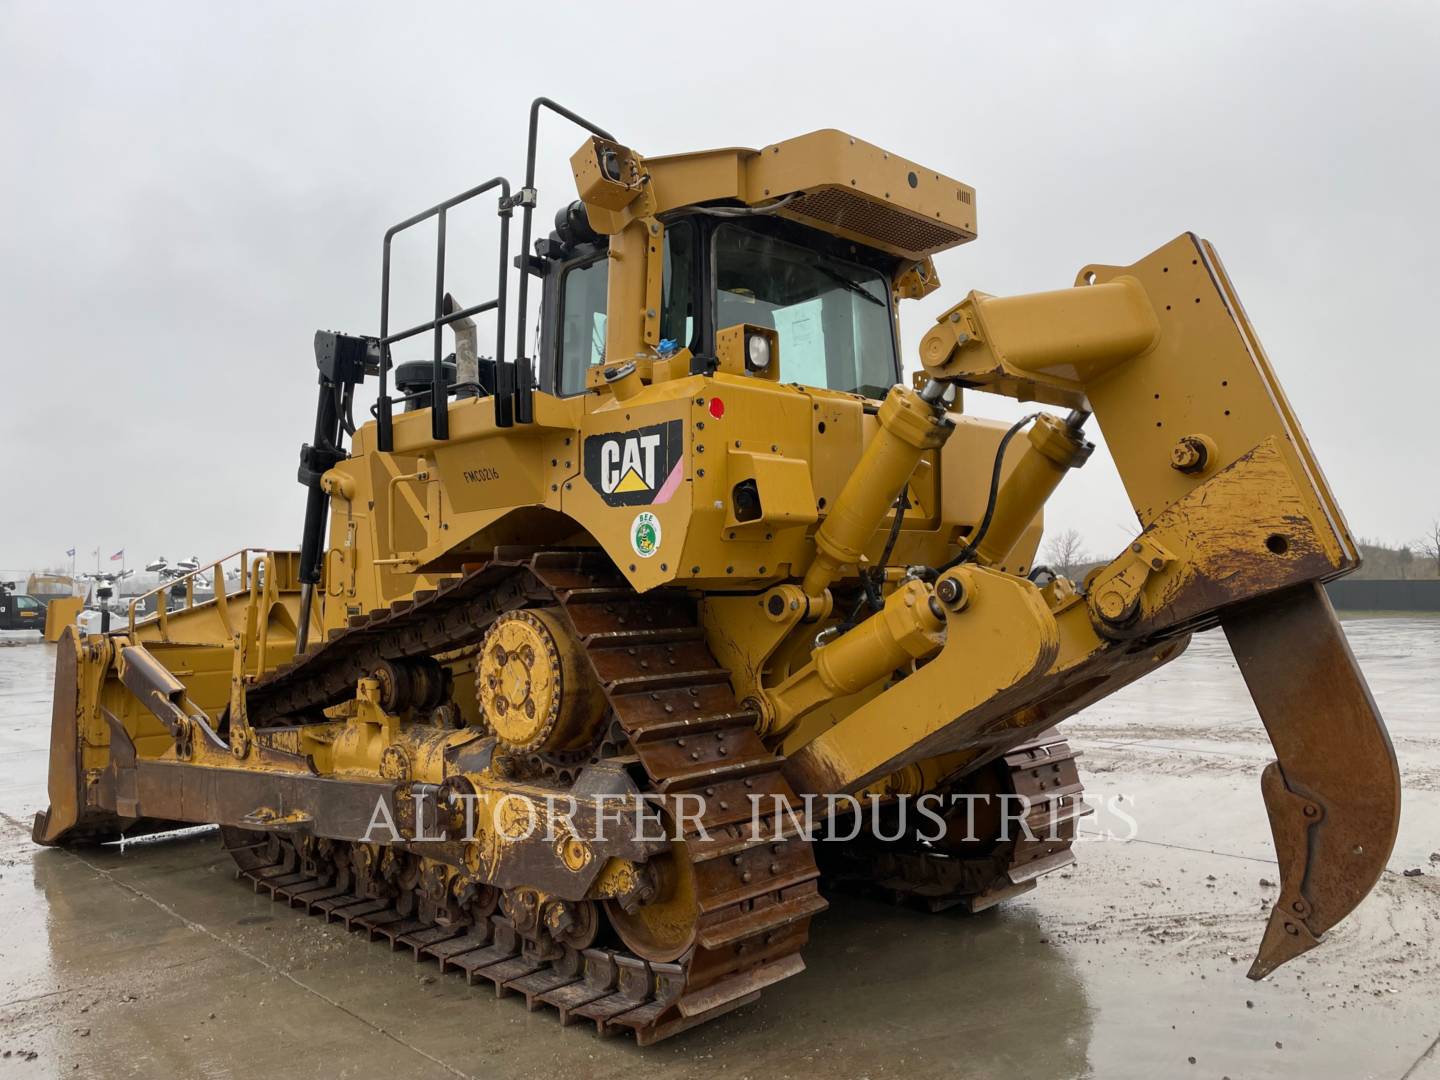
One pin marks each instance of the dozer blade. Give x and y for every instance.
(1333, 796)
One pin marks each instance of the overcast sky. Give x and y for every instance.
(190, 190)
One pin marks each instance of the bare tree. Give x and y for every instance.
(1065, 552)
(1429, 544)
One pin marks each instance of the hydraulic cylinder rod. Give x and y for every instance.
(1056, 446)
(909, 425)
(910, 626)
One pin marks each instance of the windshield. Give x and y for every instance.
(833, 316)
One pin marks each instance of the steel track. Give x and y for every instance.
(1043, 772)
(674, 715)
(755, 893)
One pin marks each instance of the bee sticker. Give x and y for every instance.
(645, 534)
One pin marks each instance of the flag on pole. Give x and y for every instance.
(118, 555)
(70, 552)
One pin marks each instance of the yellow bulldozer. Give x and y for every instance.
(579, 635)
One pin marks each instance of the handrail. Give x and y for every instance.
(419, 477)
(265, 580)
(514, 387)
(439, 392)
(216, 570)
(524, 376)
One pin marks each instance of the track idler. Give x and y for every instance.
(1333, 795)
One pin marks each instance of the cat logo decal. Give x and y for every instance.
(636, 468)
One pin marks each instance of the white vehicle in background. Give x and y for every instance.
(102, 607)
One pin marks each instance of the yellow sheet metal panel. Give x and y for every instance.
(1204, 376)
(827, 179)
(60, 613)
(848, 186)
(784, 493)
(687, 179)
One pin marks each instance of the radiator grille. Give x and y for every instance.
(886, 225)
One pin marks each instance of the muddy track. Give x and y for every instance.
(1043, 772)
(755, 888)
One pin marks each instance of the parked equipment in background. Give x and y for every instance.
(20, 611)
(103, 600)
(705, 546)
(61, 612)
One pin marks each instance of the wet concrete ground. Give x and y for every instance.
(153, 961)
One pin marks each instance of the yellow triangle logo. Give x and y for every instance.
(632, 481)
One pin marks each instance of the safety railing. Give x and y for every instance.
(248, 567)
(514, 379)
(264, 592)
(524, 373)
(439, 389)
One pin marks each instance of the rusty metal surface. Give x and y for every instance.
(676, 708)
(1333, 795)
(1244, 532)
(340, 808)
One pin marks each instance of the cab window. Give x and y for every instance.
(584, 289)
(833, 315)
(582, 323)
(677, 295)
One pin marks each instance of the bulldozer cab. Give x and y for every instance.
(829, 301)
(811, 240)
